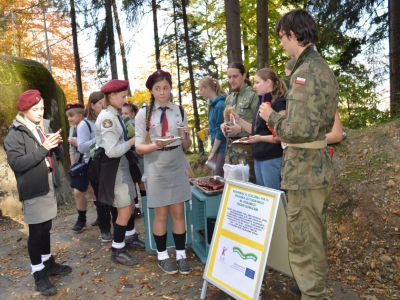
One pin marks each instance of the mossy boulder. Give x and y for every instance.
(16, 76)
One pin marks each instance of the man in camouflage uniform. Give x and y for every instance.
(245, 102)
(307, 170)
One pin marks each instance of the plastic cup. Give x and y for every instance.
(182, 133)
(202, 134)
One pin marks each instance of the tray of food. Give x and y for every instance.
(209, 185)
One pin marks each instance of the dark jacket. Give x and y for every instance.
(264, 151)
(26, 157)
(215, 119)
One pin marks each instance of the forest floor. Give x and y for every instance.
(363, 230)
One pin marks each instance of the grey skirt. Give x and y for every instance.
(165, 178)
(124, 189)
(41, 209)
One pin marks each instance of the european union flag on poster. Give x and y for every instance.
(249, 273)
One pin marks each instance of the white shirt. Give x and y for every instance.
(86, 137)
(174, 118)
(109, 133)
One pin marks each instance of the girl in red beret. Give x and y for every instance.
(116, 187)
(166, 181)
(86, 141)
(33, 158)
(129, 111)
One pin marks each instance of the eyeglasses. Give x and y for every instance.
(280, 36)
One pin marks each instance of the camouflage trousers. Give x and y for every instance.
(308, 242)
(237, 153)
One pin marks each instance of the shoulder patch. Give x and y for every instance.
(107, 123)
(300, 80)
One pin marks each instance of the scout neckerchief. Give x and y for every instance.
(163, 120)
(123, 127)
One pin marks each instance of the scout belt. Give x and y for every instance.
(311, 145)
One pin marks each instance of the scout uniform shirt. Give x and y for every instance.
(245, 106)
(110, 133)
(174, 118)
(311, 102)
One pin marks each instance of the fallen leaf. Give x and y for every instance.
(123, 279)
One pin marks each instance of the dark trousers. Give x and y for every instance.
(39, 241)
(106, 214)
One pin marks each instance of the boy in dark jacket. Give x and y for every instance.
(32, 155)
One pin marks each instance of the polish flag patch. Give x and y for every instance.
(300, 80)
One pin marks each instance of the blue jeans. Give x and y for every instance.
(268, 172)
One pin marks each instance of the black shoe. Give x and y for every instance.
(106, 237)
(43, 284)
(133, 242)
(137, 212)
(53, 268)
(167, 266)
(183, 267)
(95, 223)
(294, 290)
(123, 257)
(79, 226)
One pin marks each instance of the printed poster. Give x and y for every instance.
(238, 253)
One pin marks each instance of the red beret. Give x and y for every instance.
(74, 105)
(28, 99)
(132, 106)
(156, 74)
(115, 86)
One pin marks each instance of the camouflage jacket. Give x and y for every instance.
(311, 103)
(246, 104)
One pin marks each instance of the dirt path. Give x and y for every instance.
(95, 277)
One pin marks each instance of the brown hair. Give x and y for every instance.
(74, 111)
(237, 65)
(279, 87)
(301, 23)
(290, 64)
(212, 84)
(93, 99)
(151, 105)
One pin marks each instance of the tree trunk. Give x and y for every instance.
(262, 34)
(394, 54)
(192, 87)
(110, 40)
(77, 61)
(246, 54)
(121, 44)
(156, 41)
(232, 14)
(177, 53)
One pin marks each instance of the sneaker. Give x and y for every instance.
(183, 267)
(123, 257)
(133, 242)
(79, 226)
(137, 212)
(95, 223)
(294, 290)
(53, 268)
(43, 284)
(167, 266)
(106, 237)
